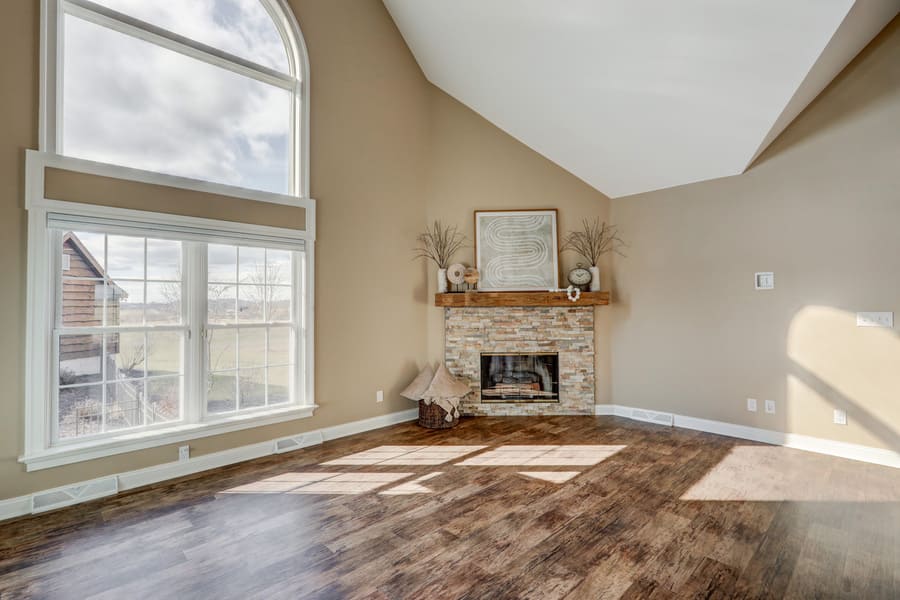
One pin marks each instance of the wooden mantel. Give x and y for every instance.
(489, 299)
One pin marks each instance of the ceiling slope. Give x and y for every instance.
(639, 95)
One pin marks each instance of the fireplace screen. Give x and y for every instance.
(508, 377)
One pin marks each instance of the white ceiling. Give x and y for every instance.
(639, 95)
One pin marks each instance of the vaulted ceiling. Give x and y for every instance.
(639, 95)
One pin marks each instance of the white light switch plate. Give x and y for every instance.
(764, 281)
(751, 404)
(875, 319)
(840, 416)
(770, 407)
(379, 396)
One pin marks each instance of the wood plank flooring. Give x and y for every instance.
(543, 507)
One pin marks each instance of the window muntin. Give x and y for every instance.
(250, 327)
(119, 336)
(122, 351)
(240, 27)
(133, 103)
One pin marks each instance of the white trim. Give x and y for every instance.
(22, 505)
(151, 438)
(37, 162)
(869, 454)
(354, 427)
(15, 507)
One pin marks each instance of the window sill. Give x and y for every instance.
(129, 442)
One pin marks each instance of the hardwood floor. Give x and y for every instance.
(548, 507)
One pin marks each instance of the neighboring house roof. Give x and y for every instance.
(78, 246)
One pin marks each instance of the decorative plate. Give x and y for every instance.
(456, 273)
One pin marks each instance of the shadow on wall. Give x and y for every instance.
(834, 363)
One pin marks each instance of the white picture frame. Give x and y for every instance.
(517, 250)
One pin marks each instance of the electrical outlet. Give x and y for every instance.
(751, 404)
(379, 396)
(770, 407)
(840, 416)
(184, 452)
(875, 319)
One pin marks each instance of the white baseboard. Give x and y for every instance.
(878, 456)
(23, 505)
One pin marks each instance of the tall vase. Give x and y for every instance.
(442, 281)
(595, 279)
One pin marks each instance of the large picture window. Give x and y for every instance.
(157, 326)
(211, 90)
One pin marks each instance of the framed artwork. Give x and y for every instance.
(516, 250)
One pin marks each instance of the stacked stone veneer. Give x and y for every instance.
(568, 331)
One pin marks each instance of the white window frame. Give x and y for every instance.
(44, 259)
(296, 81)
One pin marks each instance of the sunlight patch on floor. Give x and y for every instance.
(545, 456)
(411, 487)
(405, 455)
(775, 474)
(319, 483)
(551, 476)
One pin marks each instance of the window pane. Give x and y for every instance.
(240, 27)
(250, 302)
(165, 353)
(221, 264)
(279, 266)
(133, 103)
(279, 346)
(221, 393)
(125, 303)
(252, 267)
(86, 252)
(279, 303)
(126, 356)
(252, 347)
(80, 359)
(164, 303)
(82, 302)
(80, 411)
(125, 256)
(279, 385)
(124, 405)
(222, 353)
(252, 387)
(220, 303)
(164, 260)
(164, 399)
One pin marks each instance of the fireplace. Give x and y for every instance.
(519, 377)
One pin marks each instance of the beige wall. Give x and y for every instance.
(821, 209)
(369, 162)
(477, 166)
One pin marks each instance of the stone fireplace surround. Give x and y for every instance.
(469, 331)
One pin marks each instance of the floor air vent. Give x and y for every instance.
(651, 416)
(297, 441)
(73, 494)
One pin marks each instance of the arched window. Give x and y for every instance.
(212, 90)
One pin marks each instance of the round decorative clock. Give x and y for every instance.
(580, 276)
(456, 273)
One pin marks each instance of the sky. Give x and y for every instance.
(132, 103)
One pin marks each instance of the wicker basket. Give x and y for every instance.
(433, 416)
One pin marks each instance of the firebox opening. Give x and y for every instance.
(519, 377)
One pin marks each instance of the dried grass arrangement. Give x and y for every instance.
(595, 239)
(439, 243)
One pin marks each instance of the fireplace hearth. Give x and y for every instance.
(520, 377)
